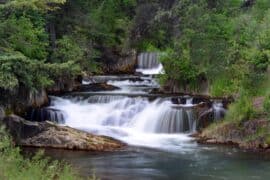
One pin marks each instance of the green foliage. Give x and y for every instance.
(66, 70)
(241, 110)
(217, 41)
(266, 104)
(19, 34)
(180, 67)
(17, 70)
(25, 50)
(14, 166)
(67, 50)
(106, 22)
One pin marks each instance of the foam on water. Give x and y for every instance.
(152, 71)
(136, 121)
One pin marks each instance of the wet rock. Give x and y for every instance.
(97, 87)
(248, 3)
(2, 113)
(116, 62)
(20, 99)
(50, 135)
(67, 138)
(45, 114)
(20, 128)
(205, 115)
(64, 85)
(38, 99)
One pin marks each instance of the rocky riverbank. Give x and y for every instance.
(49, 135)
(253, 134)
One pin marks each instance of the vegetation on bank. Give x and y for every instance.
(14, 166)
(44, 40)
(225, 43)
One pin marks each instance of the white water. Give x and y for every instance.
(152, 71)
(149, 64)
(219, 110)
(135, 121)
(134, 87)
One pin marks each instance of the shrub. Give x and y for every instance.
(241, 110)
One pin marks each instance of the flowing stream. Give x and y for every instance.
(136, 120)
(156, 129)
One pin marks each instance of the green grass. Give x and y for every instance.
(266, 105)
(13, 166)
(241, 110)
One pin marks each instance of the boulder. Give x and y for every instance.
(20, 128)
(64, 137)
(50, 135)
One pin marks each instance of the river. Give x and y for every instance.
(156, 129)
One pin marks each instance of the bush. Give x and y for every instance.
(18, 70)
(241, 110)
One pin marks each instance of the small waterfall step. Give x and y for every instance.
(46, 114)
(148, 63)
(106, 78)
(148, 60)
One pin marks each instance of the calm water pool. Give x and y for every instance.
(200, 162)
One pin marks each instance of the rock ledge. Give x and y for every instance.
(50, 135)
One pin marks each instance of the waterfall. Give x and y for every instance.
(106, 78)
(131, 113)
(148, 63)
(219, 110)
(189, 101)
(138, 114)
(46, 114)
(148, 60)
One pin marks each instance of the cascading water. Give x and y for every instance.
(148, 63)
(135, 117)
(46, 114)
(219, 110)
(136, 121)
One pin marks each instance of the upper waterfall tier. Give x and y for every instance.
(148, 60)
(148, 63)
